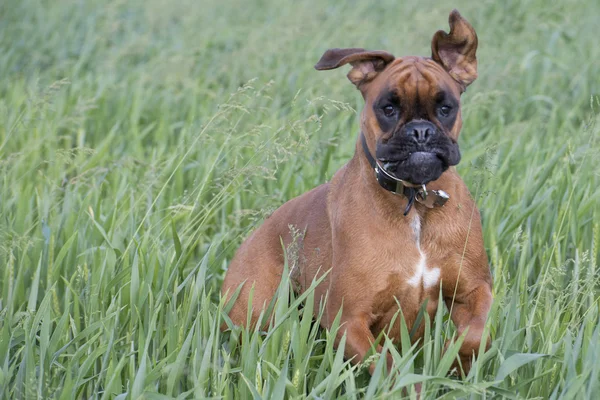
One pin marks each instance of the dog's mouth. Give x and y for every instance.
(419, 166)
(412, 157)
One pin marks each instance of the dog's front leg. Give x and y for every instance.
(359, 340)
(470, 311)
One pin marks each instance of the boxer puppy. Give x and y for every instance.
(396, 222)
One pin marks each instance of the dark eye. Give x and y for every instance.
(389, 111)
(445, 111)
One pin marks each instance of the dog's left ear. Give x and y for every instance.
(455, 51)
(365, 64)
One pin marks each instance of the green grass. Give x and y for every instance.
(140, 142)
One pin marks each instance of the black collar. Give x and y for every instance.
(429, 198)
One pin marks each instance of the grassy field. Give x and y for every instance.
(140, 142)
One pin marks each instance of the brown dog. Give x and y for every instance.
(387, 239)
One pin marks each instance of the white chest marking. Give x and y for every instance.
(428, 276)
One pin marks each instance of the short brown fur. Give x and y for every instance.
(357, 229)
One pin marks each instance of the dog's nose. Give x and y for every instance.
(420, 131)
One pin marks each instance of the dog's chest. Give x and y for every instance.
(422, 274)
(412, 278)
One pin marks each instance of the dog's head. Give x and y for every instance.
(412, 115)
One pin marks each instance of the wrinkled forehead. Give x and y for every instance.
(418, 78)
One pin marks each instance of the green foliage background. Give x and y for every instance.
(140, 141)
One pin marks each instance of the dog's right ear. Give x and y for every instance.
(365, 64)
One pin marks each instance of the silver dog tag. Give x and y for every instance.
(432, 198)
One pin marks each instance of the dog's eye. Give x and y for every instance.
(445, 111)
(389, 111)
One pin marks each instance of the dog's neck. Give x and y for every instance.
(411, 193)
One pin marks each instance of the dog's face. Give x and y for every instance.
(412, 115)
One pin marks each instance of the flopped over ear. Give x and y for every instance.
(365, 64)
(455, 51)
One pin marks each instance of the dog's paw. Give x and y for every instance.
(461, 365)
